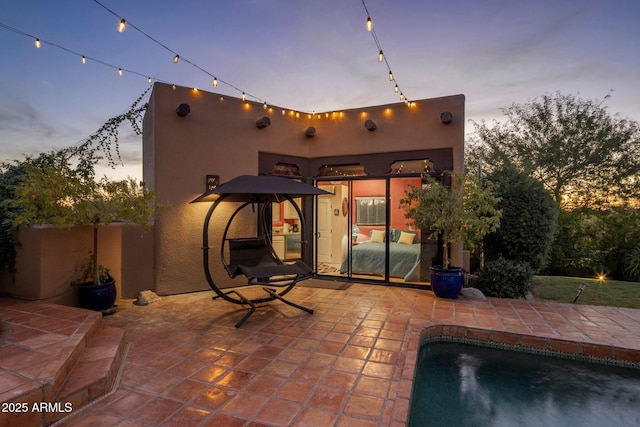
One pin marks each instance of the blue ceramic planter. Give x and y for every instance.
(447, 282)
(99, 298)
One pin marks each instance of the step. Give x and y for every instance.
(46, 351)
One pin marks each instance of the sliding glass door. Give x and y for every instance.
(362, 233)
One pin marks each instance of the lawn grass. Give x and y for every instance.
(612, 293)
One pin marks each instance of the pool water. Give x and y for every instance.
(461, 384)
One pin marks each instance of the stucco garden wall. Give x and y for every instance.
(49, 258)
(219, 136)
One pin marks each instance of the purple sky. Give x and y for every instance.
(307, 56)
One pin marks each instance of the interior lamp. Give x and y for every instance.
(355, 231)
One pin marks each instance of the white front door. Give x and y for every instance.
(324, 229)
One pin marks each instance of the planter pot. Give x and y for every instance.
(446, 282)
(100, 297)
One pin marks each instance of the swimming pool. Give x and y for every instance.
(461, 384)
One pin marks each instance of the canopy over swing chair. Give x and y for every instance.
(254, 257)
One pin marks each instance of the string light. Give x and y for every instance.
(84, 59)
(244, 96)
(120, 71)
(215, 82)
(149, 80)
(37, 43)
(264, 106)
(381, 56)
(122, 25)
(176, 59)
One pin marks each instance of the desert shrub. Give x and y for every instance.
(504, 278)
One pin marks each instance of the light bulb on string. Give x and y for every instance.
(244, 96)
(390, 76)
(215, 82)
(84, 59)
(369, 24)
(173, 86)
(264, 106)
(120, 71)
(37, 43)
(122, 25)
(396, 89)
(380, 56)
(149, 80)
(176, 59)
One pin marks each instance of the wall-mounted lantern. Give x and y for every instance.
(370, 125)
(183, 110)
(263, 122)
(310, 132)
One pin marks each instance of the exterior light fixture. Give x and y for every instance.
(84, 59)
(122, 25)
(37, 43)
(264, 106)
(390, 76)
(120, 71)
(244, 96)
(263, 122)
(176, 59)
(183, 110)
(446, 117)
(215, 82)
(380, 56)
(396, 89)
(370, 125)
(369, 24)
(310, 132)
(149, 80)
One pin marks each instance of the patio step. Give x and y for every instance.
(95, 373)
(54, 360)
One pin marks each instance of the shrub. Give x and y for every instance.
(503, 278)
(528, 223)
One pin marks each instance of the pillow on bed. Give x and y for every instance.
(377, 236)
(406, 238)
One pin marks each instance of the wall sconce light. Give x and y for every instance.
(263, 122)
(370, 125)
(446, 117)
(310, 132)
(183, 110)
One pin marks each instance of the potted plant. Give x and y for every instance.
(463, 212)
(51, 190)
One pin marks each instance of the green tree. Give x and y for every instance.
(583, 155)
(528, 222)
(465, 212)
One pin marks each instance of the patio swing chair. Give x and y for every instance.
(254, 257)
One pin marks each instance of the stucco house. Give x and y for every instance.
(365, 157)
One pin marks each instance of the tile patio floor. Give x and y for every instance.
(351, 363)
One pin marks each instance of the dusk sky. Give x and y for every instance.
(304, 55)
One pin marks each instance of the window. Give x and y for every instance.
(371, 210)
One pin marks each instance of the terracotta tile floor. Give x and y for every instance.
(349, 364)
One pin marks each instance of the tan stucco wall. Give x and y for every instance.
(48, 260)
(220, 137)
